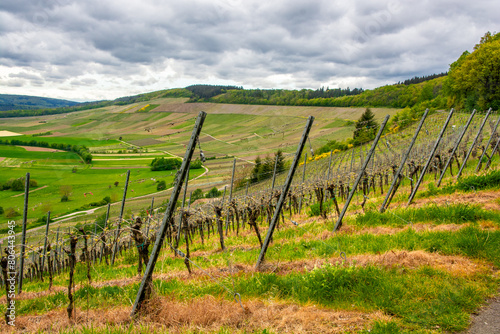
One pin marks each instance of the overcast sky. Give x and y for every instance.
(92, 49)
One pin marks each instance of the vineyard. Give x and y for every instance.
(400, 234)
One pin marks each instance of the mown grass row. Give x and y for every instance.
(299, 243)
(422, 298)
(419, 299)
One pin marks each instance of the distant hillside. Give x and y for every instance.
(395, 96)
(25, 102)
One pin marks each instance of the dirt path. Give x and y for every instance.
(488, 319)
(21, 194)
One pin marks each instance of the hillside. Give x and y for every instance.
(25, 102)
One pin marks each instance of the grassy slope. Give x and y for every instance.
(244, 131)
(427, 278)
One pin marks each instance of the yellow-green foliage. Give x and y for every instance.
(474, 79)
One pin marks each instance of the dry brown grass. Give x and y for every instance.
(485, 199)
(40, 149)
(208, 314)
(455, 265)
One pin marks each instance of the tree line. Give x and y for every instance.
(417, 79)
(284, 97)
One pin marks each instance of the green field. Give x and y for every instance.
(87, 185)
(240, 131)
(65, 140)
(21, 153)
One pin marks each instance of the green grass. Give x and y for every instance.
(8, 151)
(66, 140)
(337, 124)
(84, 181)
(81, 123)
(455, 213)
(418, 299)
(423, 298)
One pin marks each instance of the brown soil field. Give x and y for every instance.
(40, 149)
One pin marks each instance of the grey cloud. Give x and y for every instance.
(247, 42)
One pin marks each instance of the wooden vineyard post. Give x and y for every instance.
(182, 209)
(492, 154)
(487, 145)
(360, 175)
(464, 163)
(329, 165)
(431, 156)
(230, 195)
(45, 243)
(459, 139)
(103, 248)
(145, 286)
(150, 217)
(284, 192)
(56, 253)
(403, 161)
(303, 180)
(23, 237)
(120, 217)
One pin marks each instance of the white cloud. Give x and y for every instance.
(91, 50)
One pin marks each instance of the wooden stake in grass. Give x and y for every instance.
(4, 263)
(49, 264)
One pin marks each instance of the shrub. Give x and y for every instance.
(161, 185)
(33, 183)
(165, 164)
(64, 198)
(11, 213)
(212, 193)
(1, 210)
(17, 185)
(197, 164)
(332, 145)
(197, 194)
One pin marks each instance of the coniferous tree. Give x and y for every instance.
(366, 128)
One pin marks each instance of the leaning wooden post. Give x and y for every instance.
(56, 252)
(230, 197)
(103, 248)
(487, 145)
(303, 180)
(431, 156)
(145, 287)
(403, 161)
(464, 163)
(455, 148)
(286, 187)
(23, 238)
(45, 243)
(120, 217)
(361, 172)
(492, 154)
